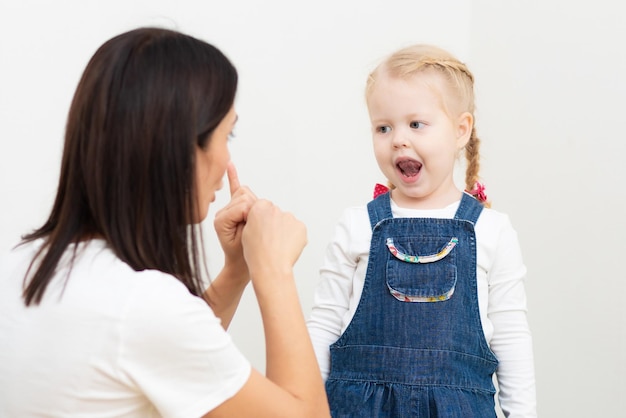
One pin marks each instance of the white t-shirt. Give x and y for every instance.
(113, 343)
(500, 286)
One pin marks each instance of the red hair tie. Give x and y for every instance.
(380, 189)
(478, 192)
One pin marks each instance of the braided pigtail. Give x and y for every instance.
(472, 155)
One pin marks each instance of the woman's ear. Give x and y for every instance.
(465, 127)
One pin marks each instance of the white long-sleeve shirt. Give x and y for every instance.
(500, 285)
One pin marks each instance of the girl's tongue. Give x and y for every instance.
(409, 168)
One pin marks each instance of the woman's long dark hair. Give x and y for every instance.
(146, 100)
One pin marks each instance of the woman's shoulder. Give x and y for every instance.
(97, 275)
(98, 261)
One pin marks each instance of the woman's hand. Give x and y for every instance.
(230, 220)
(224, 293)
(272, 240)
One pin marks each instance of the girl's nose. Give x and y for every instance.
(399, 140)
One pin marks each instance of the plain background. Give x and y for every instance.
(550, 98)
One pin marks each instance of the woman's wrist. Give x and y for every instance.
(236, 270)
(224, 293)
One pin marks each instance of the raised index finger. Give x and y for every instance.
(233, 178)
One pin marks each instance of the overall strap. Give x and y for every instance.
(379, 209)
(469, 209)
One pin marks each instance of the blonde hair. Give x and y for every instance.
(421, 58)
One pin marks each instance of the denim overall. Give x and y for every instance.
(415, 346)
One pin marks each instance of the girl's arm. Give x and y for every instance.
(272, 242)
(336, 285)
(512, 340)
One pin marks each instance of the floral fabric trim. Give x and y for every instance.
(424, 258)
(406, 298)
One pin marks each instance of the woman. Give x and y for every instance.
(103, 308)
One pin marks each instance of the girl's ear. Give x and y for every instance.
(464, 129)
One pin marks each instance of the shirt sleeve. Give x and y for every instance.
(511, 341)
(175, 351)
(333, 293)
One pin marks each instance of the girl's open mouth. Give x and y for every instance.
(409, 168)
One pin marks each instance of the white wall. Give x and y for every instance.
(549, 108)
(551, 96)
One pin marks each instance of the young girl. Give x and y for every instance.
(421, 298)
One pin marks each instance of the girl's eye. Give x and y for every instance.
(415, 125)
(383, 129)
(231, 135)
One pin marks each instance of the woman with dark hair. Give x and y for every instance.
(103, 310)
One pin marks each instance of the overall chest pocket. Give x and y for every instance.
(421, 269)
